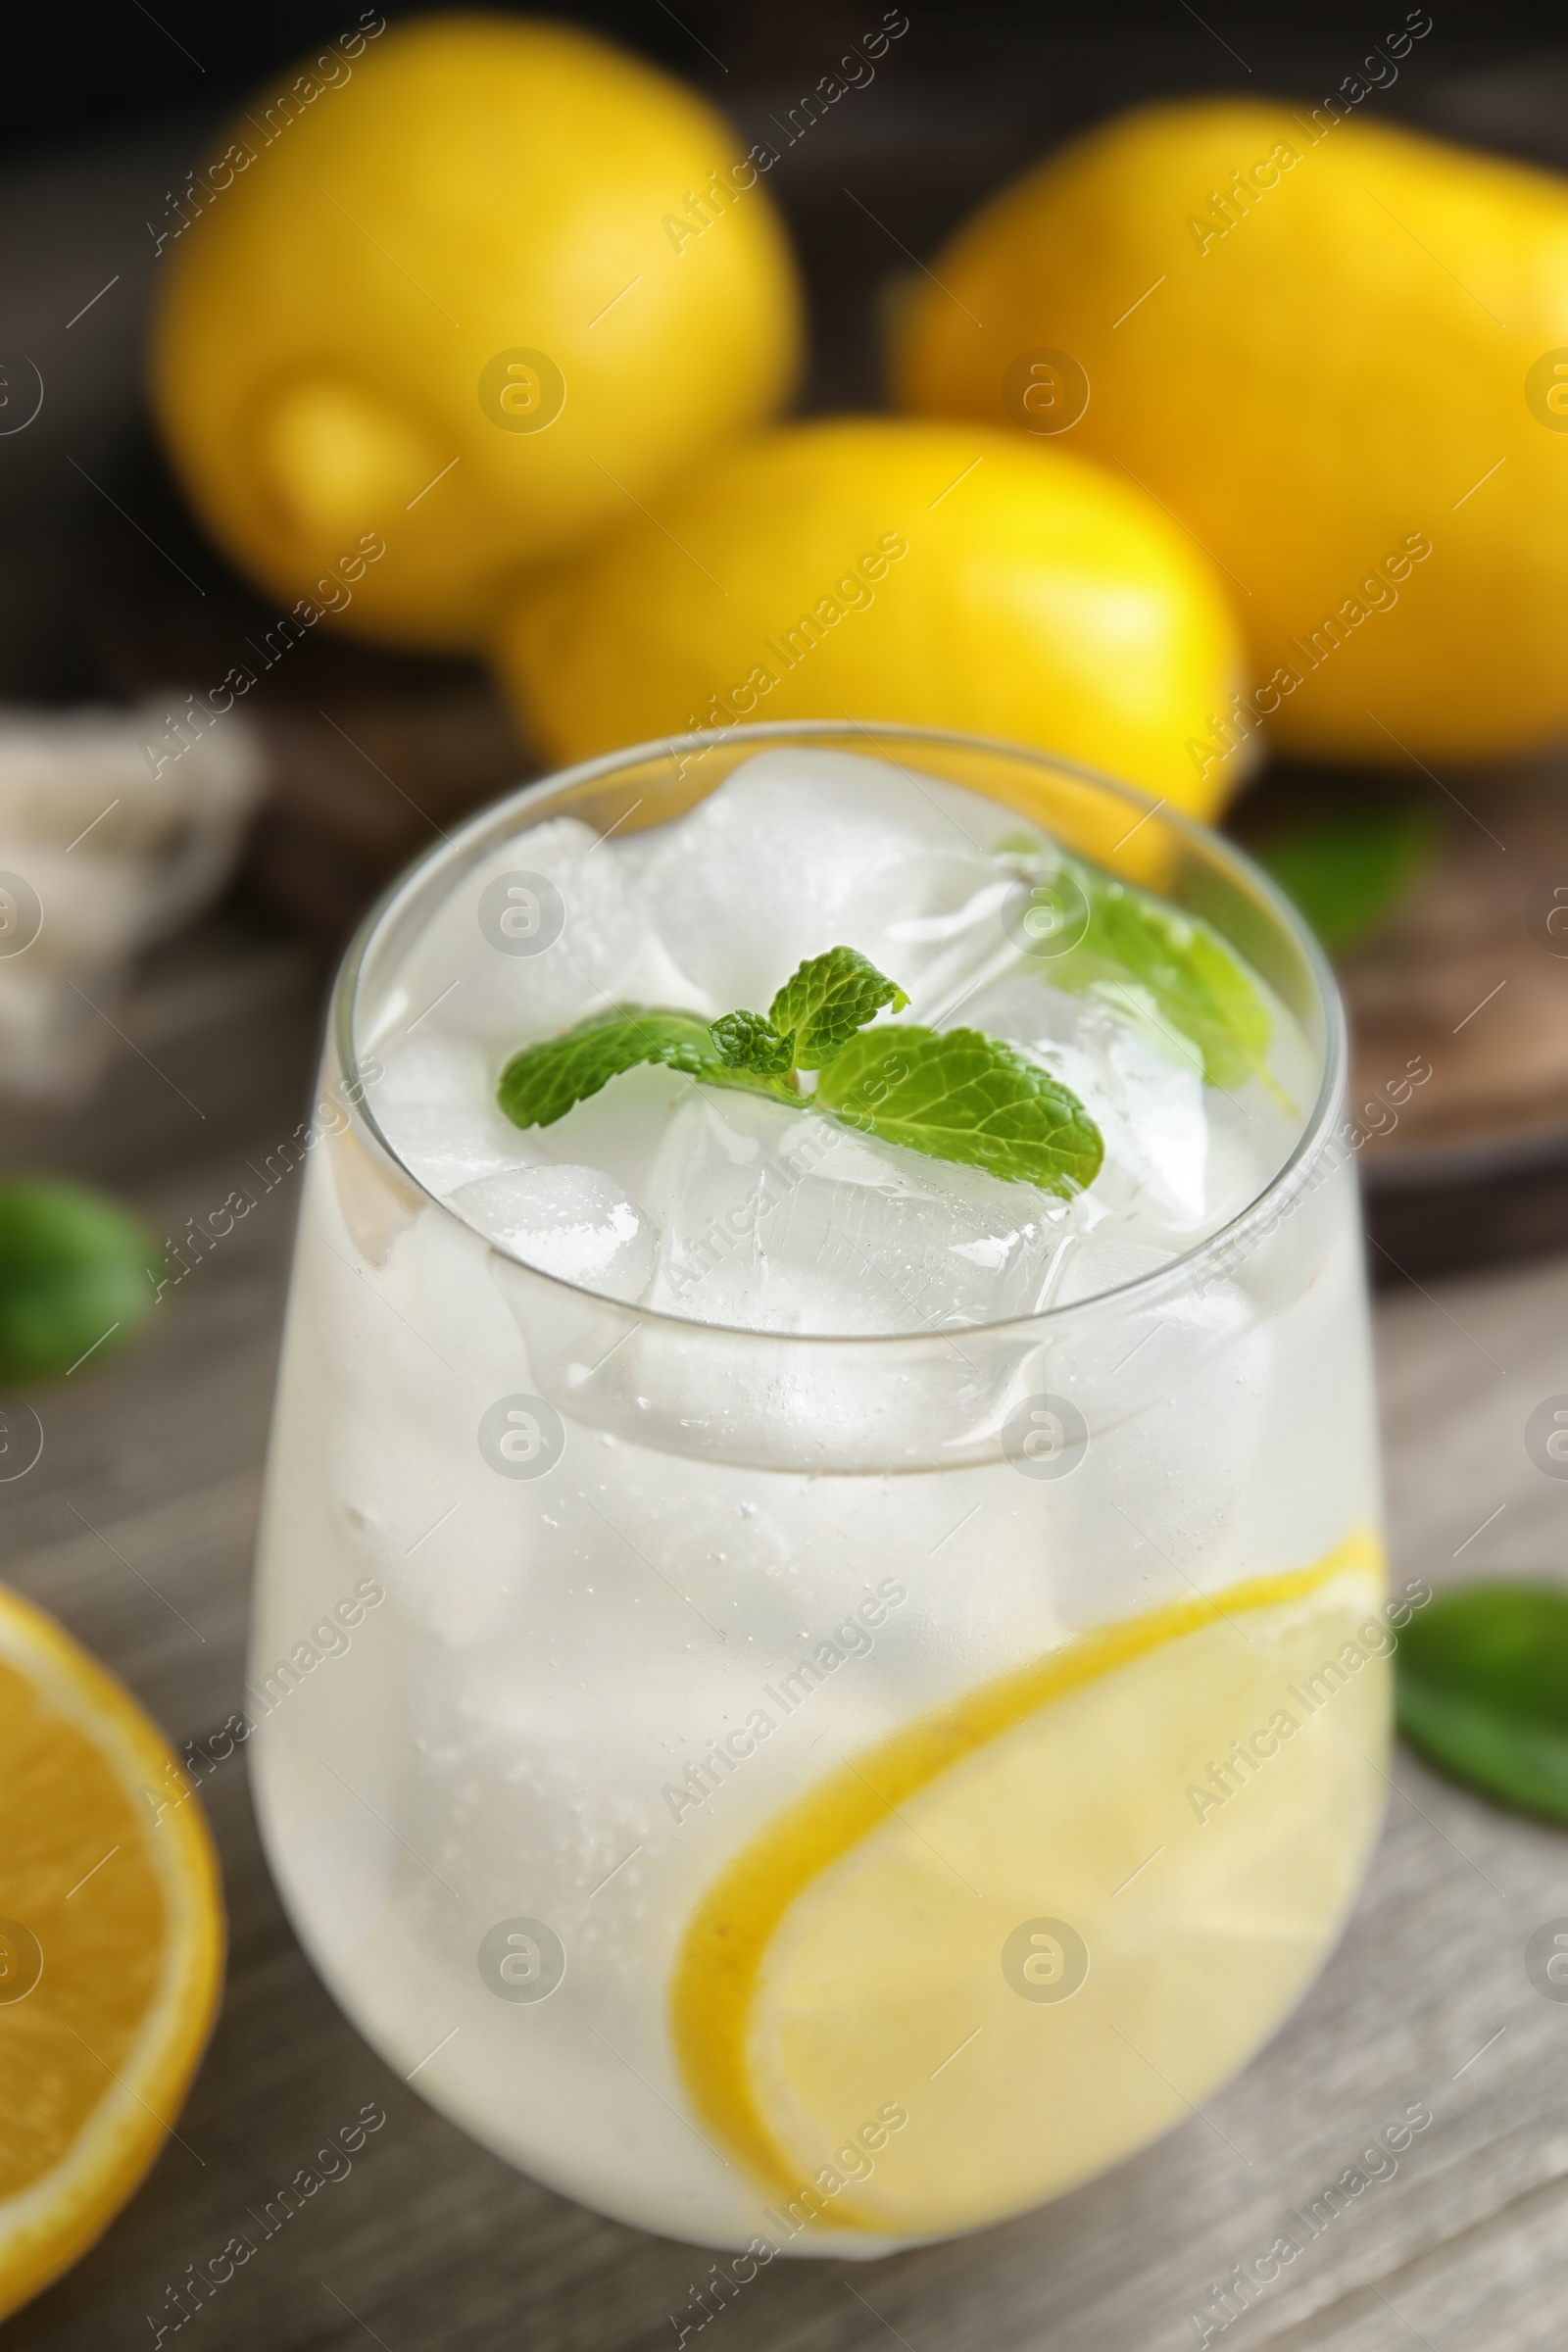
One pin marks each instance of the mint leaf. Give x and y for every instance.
(74, 1278)
(542, 1082)
(748, 1041)
(540, 1085)
(1350, 869)
(827, 1001)
(959, 1094)
(1194, 984)
(1483, 1692)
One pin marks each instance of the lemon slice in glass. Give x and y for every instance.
(1023, 1934)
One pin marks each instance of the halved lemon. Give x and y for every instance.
(111, 1947)
(1020, 1936)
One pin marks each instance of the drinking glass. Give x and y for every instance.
(819, 1793)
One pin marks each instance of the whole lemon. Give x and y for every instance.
(951, 576)
(1338, 354)
(460, 295)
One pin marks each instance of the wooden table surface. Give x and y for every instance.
(136, 1529)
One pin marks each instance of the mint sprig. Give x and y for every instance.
(953, 1095)
(1145, 959)
(1195, 983)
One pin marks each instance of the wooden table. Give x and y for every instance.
(136, 1528)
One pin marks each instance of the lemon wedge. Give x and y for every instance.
(1021, 1936)
(111, 1947)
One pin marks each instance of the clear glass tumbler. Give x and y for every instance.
(819, 1793)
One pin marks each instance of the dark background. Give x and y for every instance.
(104, 67)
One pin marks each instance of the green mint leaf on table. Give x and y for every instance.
(748, 1041)
(75, 1279)
(1349, 870)
(957, 1094)
(1193, 982)
(828, 1001)
(1482, 1677)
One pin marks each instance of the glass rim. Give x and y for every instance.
(1185, 1271)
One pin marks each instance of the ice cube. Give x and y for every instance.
(778, 1220)
(431, 1344)
(1147, 1099)
(1093, 1263)
(621, 1129)
(448, 1145)
(799, 852)
(1250, 1137)
(434, 1101)
(569, 1221)
(430, 1069)
(548, 928)
(1172, 1385)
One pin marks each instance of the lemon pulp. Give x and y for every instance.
(875, 2009)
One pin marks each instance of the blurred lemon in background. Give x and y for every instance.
(1339, 355)
(111, 1947)
(464, 306)
(944, 575)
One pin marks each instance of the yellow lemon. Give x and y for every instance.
(452, 302)
(1339, 353)
(1030, 1930)
(873, 570)
(111, 1947)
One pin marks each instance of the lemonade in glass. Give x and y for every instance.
(819, 1669)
